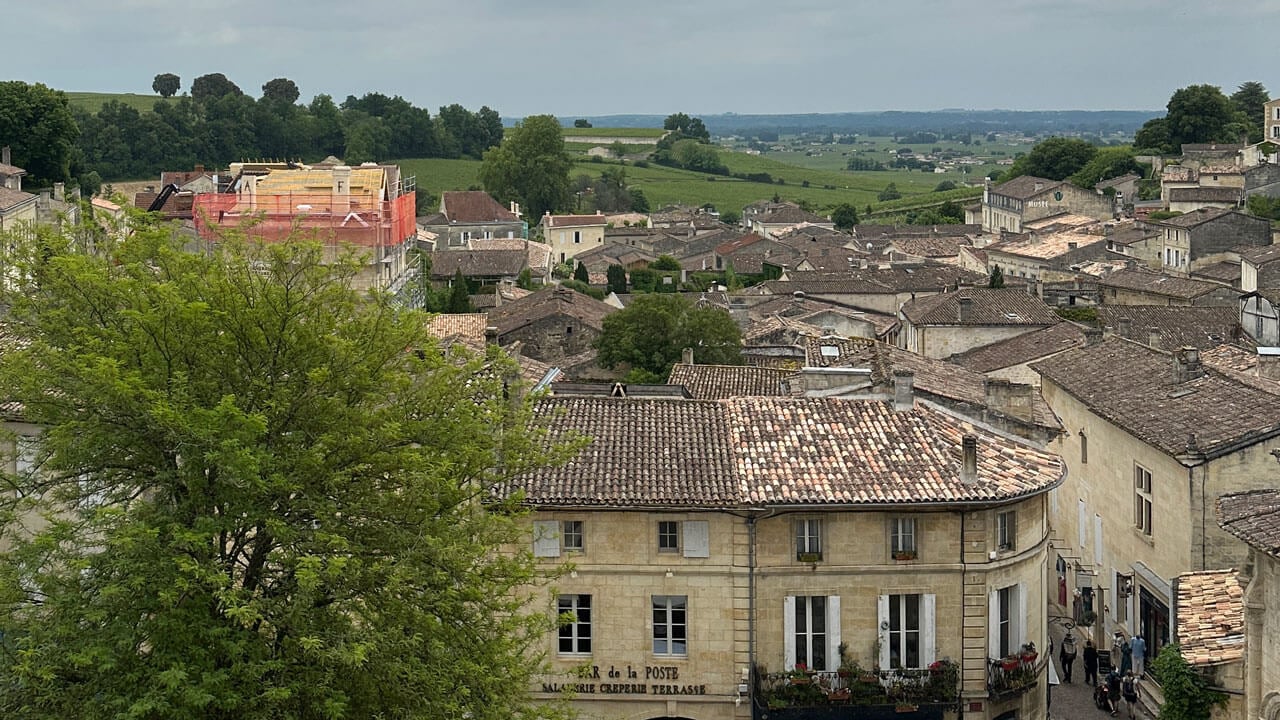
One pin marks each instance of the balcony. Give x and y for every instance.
(854, 693)
(1015, 674)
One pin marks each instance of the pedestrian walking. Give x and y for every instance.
(1113, 691)
(1129, 690)
(1067, 656)
(1138, 649)
(1126, 658)
(1090, 663)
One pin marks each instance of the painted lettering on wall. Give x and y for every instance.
(626, 680)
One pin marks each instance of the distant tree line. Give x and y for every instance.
(217, 123)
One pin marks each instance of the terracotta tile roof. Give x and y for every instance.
(477, 263)
(778, 328)
(774, 451)
(1204, 194)
(11, 170)
(546, 303)
(718, 382)
(182, 177)
(1023, 348)
(922, 278)
(791, 216)
(1259, 254)
(1127, 177)
(1200, 216)
(1198, 327)
(1229, 357)
(551, 221)
(488, 301)
(10, 197)
(473, 206)
(1254, 517)
(464, 326)
(1127, 233)
(1210, 617)
(1137, 389)
(1156, 283)
(989, 307)
(1024, 187)
(931, 246)
(1225, 272)
(935, 379)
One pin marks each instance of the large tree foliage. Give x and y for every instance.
(530, 167)
(844, 215)
(264, 496)
(1250, 99)
(1056, 158)
(166, 84)
(650, 334)
(36, 122)
(1106, 163)
(281, 90)
(690, 127)
(212, 87)
(1197, 114)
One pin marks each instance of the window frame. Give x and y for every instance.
(667, 607)
(1007, 530)
(668, 532)
(573, 536)
(898, 626)
(1007, 598)
(903, 528)
(578, 631)
(812, 610)
(1143, 501)
(808, 539)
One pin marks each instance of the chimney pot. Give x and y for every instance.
(903, 390)
(491, 335)
(686, 356)
(1186, 362)
(1124, 326)
(966, 308)
(1268, 366)
(969, 459)
(5, 155)
(1092, 336)
(1153, 338)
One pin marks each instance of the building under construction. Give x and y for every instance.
(368, 208)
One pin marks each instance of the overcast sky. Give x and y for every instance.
(600, 57)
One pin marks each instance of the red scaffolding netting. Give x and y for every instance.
(325, 217)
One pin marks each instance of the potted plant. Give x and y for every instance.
(1009, 663)
(838, 694)
(905, 707)
(799, 675)
(1087, 618)
(904, 554)
(1029, 653)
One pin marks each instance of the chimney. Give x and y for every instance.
(1186, 364)
(1269, 363)
(969, 459)
(1153, 338)
(491, 335)
(1124, 327)
(686, 356)
(904, 382)
(515, 208)
(1092, 336)
(1072, 245)
(1009, 398)
(1039, 186)
(4, 155)
(966, 308)
(199, 168)
(60, 192)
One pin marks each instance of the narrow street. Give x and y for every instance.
(1074, 700)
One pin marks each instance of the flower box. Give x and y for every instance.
(809, 557)
(839, 694)
(904, 555)
(1010, 663)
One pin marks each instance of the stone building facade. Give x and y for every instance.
(1254, 518)
(717, 546)
(1005, 207)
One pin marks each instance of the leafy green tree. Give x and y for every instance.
(617, 149)
(650, 334)
(166, 84)
(459, 295)
(1202, 114)
(616, 279)
(212, 87)
(524, 280)
(1187, 693)
(890, 192)
(1106, 163)
(690, 127)
(997, 278)
(580, 286)
(257, 504)
(531, 167)
(844, 215)
(36, 122)
(581, 275)
(581, 123)
(639, 203)
(282, 90)
(1056, 158)
(1250, 99)
(665, 263)
(944, 186)
(1154, 135)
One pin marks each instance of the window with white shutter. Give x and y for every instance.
(697, 539)
(546, 538)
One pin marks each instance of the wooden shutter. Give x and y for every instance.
(1019, 631)
(928, 642)
(789, 631)
(833, 633)
(697, 540)
(546, 538)
(882, 630)
(993, 624)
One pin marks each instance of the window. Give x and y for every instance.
(571, 535)
(575, 635)
(670, 624)
(902, 538)
(25, 456)
(1007, 530)
(811, 632)
(1275, 131)
(904, 631)
(1084, 448)
(809, 540)
(577, 237)
(1124, 590)
(1142, 499)
(668, 536)
(1007, 607)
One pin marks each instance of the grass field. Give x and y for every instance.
(93, 102)
(665, 186)
(650, 133)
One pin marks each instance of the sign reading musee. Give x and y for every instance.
(627, 681)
